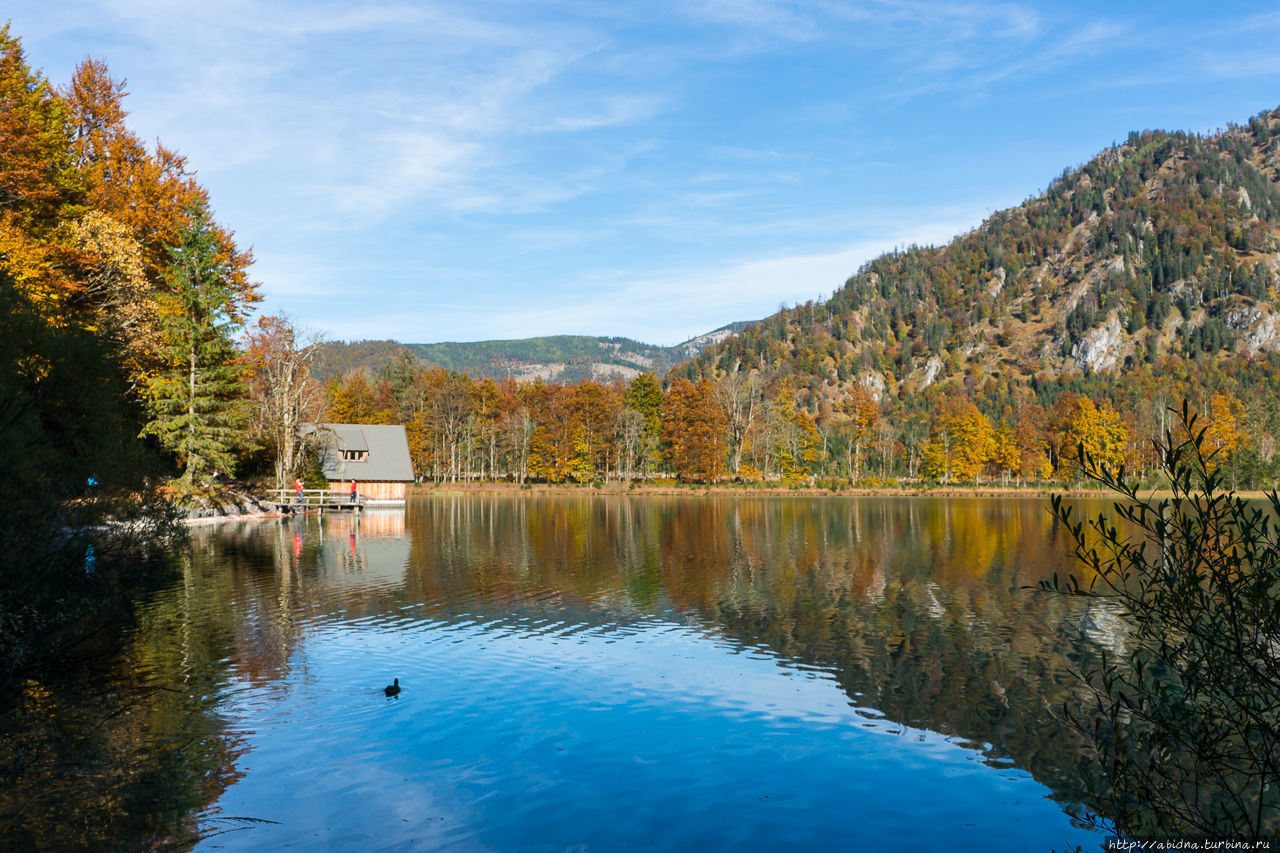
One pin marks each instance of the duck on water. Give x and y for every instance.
(392, 689)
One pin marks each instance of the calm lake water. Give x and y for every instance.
(613, 673)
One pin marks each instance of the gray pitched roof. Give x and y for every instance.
(388, 448)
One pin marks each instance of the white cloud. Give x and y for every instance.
(662, 307)
(1242, 65)
(779, 19)
(403, 166)
(367, 112)
(672, 307)
(622, 109)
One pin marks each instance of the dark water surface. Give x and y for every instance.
(612, 673)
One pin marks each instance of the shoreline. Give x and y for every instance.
(195, 521)
(617, 489)
(238, 505)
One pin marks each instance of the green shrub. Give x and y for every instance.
(1185, 722)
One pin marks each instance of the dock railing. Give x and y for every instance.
(320, 499)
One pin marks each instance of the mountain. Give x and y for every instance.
(558, 358)
(1160, 251)
(562, 358)
(334, 359)
(1157, 258)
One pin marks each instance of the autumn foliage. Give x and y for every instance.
(693, 431)
(96, 254)
(745, 430)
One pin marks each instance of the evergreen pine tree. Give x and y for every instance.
(195, 400)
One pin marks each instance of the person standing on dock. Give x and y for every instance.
(353, 492)
(297, 487)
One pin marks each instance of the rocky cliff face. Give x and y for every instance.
(1103, 347)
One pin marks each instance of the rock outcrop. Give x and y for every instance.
(1102, 348)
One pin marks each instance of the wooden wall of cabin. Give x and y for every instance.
(369, 490)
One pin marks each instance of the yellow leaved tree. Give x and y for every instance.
(1223, 434)
(1098, 429)
(960, 444)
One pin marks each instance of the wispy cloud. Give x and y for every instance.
(1068, 48)
(671, 305)
(438, 129)
(1238, 48)
(649, 169)
(780, 20)
(874, 21)
(611, 111)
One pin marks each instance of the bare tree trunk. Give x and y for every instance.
(191, 416)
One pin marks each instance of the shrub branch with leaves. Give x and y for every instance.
(1185, 721)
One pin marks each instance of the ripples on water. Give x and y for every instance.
(614, 673)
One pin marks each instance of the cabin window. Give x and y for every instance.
(355, 455)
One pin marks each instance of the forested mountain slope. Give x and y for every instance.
(556, 358)
(1157, 256)
(1147, 276)
(335, 359)
(565, 358)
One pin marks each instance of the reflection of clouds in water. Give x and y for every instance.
(426, 818)
(659, 664)
(683, 664)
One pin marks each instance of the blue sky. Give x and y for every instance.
(473, 170)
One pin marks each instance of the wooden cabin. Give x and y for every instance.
(374, 456)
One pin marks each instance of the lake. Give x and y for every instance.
(617, 672)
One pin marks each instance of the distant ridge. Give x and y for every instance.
(556, 358)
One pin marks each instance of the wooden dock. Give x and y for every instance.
(288, 501)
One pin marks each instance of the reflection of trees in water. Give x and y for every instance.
(918, 607)
(124, 747)
(119, 750)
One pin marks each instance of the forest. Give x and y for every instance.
(750, 428)
(123, 296)
(1076, 320)
(121, 304)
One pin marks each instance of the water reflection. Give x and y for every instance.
(733, 673)
(790, 623)
(122, 746)
(918, 608)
